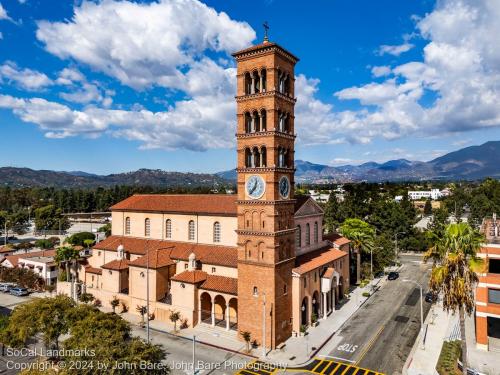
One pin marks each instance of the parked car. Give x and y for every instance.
(393, 275)
(6, 287)
(18, 291)
(431, 297)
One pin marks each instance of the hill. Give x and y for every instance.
(25, 177)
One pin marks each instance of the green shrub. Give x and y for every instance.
(366, 294)
(447, 362)
(78, 239)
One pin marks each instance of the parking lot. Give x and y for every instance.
(8, 301)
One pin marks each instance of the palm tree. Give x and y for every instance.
(454, 272)
(175, 316)
(66, 255)
(142, 310)
(247, 337)
(362, 236)
(114, 303)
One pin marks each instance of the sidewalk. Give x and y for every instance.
(487, 362)
(297, 350)
(440, 326)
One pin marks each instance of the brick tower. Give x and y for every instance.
(266, 231)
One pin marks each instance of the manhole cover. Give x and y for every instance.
(401, 319)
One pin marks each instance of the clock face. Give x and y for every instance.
(284, 187)
(255, 186)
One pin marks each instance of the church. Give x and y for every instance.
(256, 261)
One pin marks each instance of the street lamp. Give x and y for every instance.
(264, 325)
(421, 305)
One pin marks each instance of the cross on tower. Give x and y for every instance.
(266, 29)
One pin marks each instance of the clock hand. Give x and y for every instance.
(253, 187)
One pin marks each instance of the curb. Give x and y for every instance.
(204, 343)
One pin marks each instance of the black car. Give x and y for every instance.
(393, 275)
(431, 297)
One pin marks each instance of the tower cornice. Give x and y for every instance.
(258, 95)
(271, 133)
(262, 49)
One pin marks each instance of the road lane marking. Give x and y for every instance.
(326, 368)
(337, 358)
(370, 344)
(335, 369)
(315, 367)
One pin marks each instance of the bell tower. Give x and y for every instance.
(266, 231)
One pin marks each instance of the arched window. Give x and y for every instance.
(127, 225)
(255, 291)
(308, 234)
(248, 123)
(298, 237)
(168, 228)
(147, 227)
(263, 156)
(263, 82)
(263, 121)
(256, 121)
(191, 230)
(216, 231)
(248, 158)
(248, 84)
(316, 232)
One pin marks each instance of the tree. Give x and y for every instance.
(44, 243)
(428, 207)
(174, 317)
(50, 218)
(454, 272)
(45, 316)
(361, 235)
(142, 310)
(66, 256)
(247, 336)
(106, 229)
(86, 297)
(78, 239)
(114, 303)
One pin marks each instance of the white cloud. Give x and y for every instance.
(381, 71)
(144, 44)
(454, 88)
(3, 13)
(25, 78)
(395, 50)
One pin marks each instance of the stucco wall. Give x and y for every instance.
(180, 224)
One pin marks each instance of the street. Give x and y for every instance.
(382, 332)
(179, 350)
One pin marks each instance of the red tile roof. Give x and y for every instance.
(97, 271)
(336, 238)
(116, 265)
(328, 273)
(209, 254)
(221, 284)
(14, 259)
(264, 45)
(208, 204)
(190, 277)
(157, 259)
(310, 261)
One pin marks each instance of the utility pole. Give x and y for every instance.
(147, 290)
(194, 354)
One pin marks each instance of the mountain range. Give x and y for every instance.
(470, 163)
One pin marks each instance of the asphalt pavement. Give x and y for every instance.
(382, 332)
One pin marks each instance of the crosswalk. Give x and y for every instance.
(317, 366)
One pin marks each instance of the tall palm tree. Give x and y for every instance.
(361, 235)
(66, 256)
(454, 272)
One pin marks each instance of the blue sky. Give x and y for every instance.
(109, 86)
